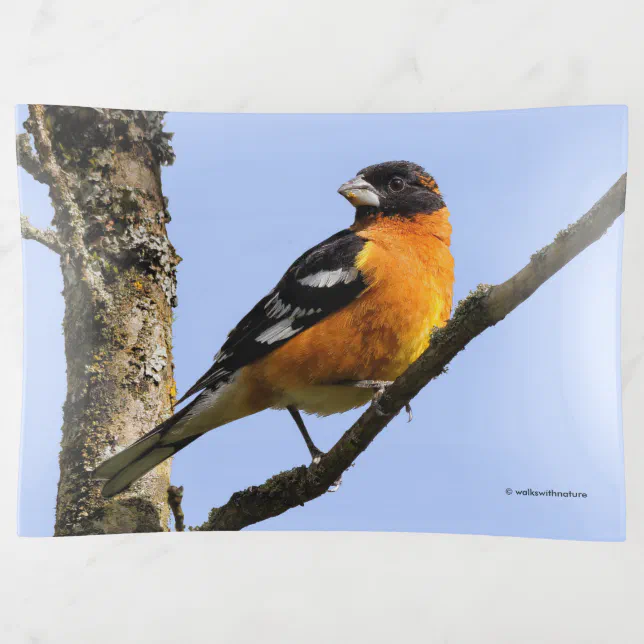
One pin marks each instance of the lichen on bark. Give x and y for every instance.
(103, 168)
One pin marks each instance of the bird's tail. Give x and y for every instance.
(129, 465)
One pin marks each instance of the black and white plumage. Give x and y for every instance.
(320, 282)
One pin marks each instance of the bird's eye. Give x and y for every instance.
(396, 184)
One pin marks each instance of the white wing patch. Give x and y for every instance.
(275, 308)
(221, 356)
(325, 279)
(300, 313)
(279, 331)
(284, 329)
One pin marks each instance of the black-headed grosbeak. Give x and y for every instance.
(350, 314)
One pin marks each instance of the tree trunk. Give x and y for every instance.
(119, 273)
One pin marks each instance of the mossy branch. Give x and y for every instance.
(482, 309)
(28, 159)
(46, 237)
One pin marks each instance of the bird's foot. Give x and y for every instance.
(378, 386)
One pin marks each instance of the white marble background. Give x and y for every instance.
(325, 56)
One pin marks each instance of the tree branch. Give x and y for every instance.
(482, 309)
(175, 496)
(46, 237)
(28, 159)
(31, 162)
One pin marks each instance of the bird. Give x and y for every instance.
(348, 317)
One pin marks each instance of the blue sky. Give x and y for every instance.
(532, 403)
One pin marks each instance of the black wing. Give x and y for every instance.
(320, 282)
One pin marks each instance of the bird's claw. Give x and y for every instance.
(410, 416)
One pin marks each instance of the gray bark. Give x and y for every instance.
(103, 168)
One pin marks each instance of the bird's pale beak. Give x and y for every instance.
(360, 192)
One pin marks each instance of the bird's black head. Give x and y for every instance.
(393, 188)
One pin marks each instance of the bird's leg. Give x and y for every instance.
(316, 454)
(379, 388)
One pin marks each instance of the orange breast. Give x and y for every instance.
(410, 273)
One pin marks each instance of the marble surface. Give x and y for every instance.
(333, 56)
